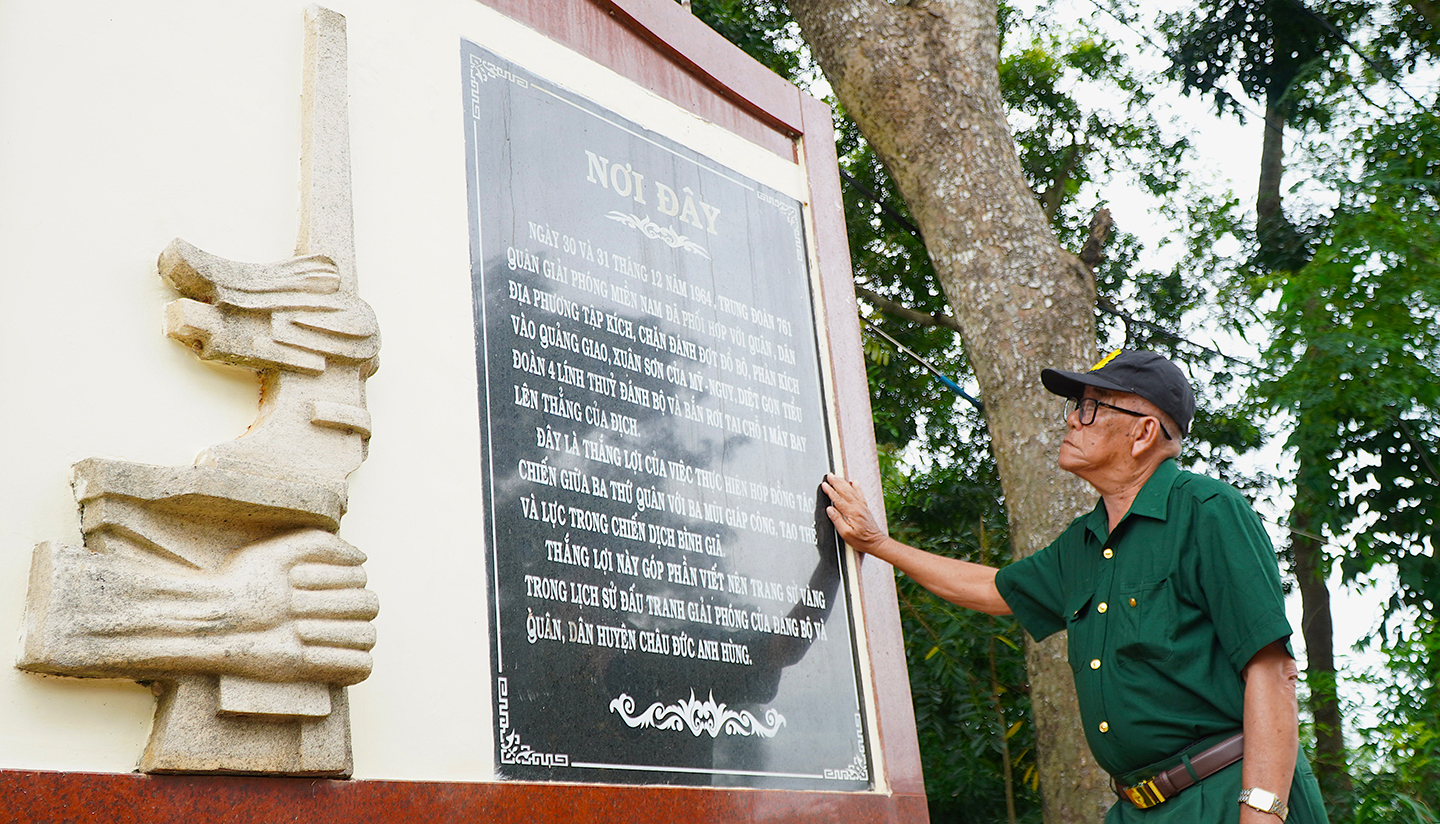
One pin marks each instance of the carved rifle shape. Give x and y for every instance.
(223, 583)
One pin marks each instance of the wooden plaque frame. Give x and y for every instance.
(660, 45)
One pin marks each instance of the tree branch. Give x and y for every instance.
(1091, 254)
(904, 312)
(879, 201)
(1419, 450)
(1094, 249)
(1054, 195)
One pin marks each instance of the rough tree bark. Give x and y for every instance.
(920, 79)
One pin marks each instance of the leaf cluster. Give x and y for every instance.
(967, 669)
(1066, 146)
(1399, 755)
(1356, 358)
(1408, 35)
(1263, 46)
(764, 29)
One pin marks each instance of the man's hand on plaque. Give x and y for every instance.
(851, 515)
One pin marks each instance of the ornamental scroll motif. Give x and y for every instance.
(655, 231)
(223, 583)
(699, 717)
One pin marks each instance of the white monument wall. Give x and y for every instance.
(125, 125)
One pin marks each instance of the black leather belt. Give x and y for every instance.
(1167, 784)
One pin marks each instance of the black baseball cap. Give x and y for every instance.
(1150, 375)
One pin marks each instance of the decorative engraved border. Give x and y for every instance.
(655, 231)
(699, 716)
(483, 70)
(859, 769)
(792, 216)
(511, 750)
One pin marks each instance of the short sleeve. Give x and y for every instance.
(1239, 578)
(1032, 589)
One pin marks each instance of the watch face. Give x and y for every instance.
(1262, 799)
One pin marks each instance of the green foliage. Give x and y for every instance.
(1292, 59)
(1066, 147)
(1408, 35)
(1399, 773)
(967, 669)
(1356, 354)
(762, 28)
(1263, 46)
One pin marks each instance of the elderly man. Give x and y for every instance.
(1171, 595)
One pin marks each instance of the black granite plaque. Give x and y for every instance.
(667, 599)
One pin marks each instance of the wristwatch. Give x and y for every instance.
(1264, 801)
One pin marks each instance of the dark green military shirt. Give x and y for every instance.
(1163, 615)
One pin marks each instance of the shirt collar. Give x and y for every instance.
(1154, 496)
(1152, 501)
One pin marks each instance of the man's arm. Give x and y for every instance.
(960, 582)
(1271, 727)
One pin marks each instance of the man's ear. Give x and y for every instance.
(1148, 438)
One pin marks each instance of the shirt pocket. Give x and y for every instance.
(1144, 630)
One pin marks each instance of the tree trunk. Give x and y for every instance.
(1282, 248)
(921, 81)
(1316, 627)
(1272, 166)
(1281, 245)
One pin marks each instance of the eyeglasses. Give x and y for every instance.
(1088, 406)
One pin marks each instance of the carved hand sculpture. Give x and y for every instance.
(297, 610)
(285, 609)
(291, 315)
(313, 341)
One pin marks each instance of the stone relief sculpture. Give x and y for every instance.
(223, 584)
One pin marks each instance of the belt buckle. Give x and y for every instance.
(1144, 795)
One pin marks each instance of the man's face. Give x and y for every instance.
(1090, 450)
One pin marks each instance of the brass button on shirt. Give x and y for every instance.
(1161, 625)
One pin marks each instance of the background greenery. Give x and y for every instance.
(1324, 290)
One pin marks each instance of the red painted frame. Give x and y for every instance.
(660, 45)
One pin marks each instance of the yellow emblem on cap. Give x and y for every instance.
(1106, 359)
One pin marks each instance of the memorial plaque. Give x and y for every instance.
(668, 603)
